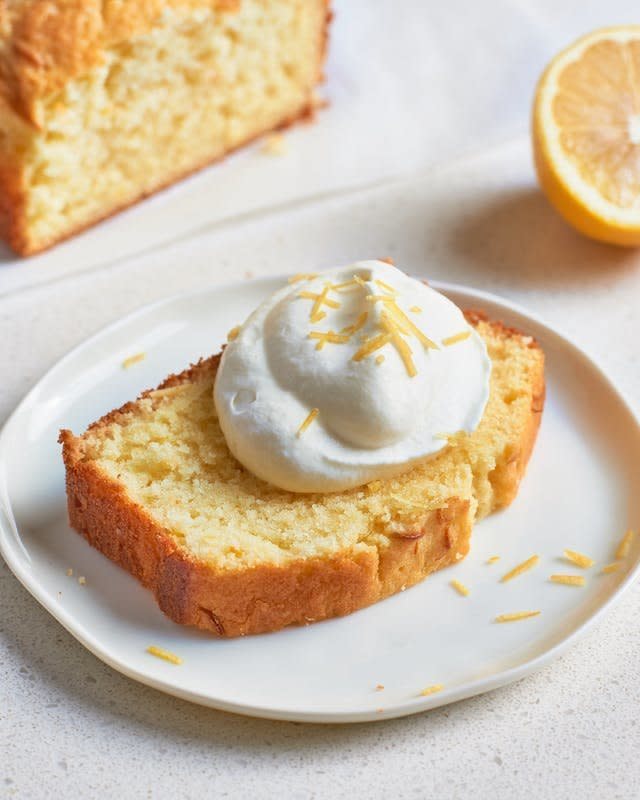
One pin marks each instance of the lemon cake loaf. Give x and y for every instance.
(155, 488)
(103, 103)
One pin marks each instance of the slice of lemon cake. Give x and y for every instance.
(103, 103)
(155, 487)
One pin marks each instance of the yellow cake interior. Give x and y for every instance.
(170, 455)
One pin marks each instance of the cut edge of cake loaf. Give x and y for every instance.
(228, 553)
(102, 104)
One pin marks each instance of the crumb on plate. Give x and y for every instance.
(274, 145)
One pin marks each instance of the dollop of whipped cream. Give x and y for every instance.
(347, 376)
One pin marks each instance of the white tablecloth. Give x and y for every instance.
(430, 106)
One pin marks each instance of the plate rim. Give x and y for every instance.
(17, 557)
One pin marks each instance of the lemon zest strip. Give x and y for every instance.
(330, 337)
(525, 566)
(568, 580)
(158, 652)
(307, 421)
(579, 559)
(457, 337)
(625, 543)
(359, 323)
(437, 687)
(371, 345)
(516, 615)
(404, 351)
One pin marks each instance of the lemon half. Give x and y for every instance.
(586, 134)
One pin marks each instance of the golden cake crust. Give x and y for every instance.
(268, 597)
(12, 212)
(506, 480)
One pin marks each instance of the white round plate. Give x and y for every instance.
(581, 491)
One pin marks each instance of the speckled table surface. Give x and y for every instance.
(72, 727)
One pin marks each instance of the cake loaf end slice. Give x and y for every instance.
(102, 104)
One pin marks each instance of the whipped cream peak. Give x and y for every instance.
(349, 375)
